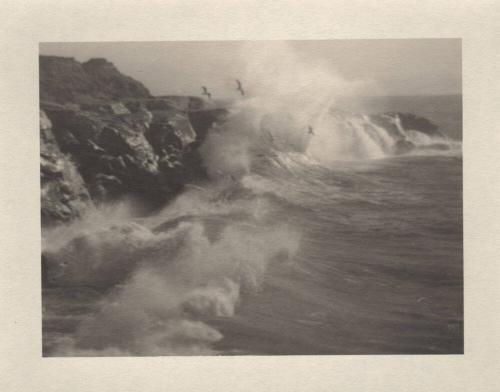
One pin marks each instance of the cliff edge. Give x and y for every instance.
(104, 136)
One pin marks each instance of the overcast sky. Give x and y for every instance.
(386, 67)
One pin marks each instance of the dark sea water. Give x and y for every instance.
(379, 269)
(284, 253)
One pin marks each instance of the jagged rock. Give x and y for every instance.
(63, 79)
(166, 132)
(183, 103)
(151, 162)
(204, 120)
(113, 145)
(106, 187)
(111, 108)
(122, 140)
(160, 104)
(140, 113)
(111, 83)
(162, 136)
(63, 193)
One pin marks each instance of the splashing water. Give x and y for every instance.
(151, 290)
(289, 233)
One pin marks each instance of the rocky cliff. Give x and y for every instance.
(103, 136)
(63, 79)
(64, 195)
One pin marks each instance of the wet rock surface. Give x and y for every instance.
(104, 137)
(64, 195)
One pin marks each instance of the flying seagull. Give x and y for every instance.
(240, 88)
(310, 130)
(205, 92)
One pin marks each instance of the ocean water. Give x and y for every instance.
(443, 110)
(323, 243)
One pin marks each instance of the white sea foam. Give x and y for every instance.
(160, 287)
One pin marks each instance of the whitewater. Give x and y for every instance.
(343, 240)
(287, 249)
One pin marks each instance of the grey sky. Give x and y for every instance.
(389, 67)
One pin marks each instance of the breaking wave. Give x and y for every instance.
(149, 289)
(115, 284)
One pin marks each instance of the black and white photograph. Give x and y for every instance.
(231, 198)
(249, 196)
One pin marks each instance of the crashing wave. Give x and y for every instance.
(157, 283)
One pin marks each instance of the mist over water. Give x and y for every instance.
(302, 242)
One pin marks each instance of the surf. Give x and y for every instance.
(307, 217)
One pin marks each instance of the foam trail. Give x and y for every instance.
(157, 283)
(158, 287)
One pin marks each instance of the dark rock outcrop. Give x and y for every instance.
(394, 122)
(411, 122)
(181, 103)
(115, 157)
(103, 137)
(203, 120)
(63, 79)
(63, 192)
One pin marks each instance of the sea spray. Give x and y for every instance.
(290, 106)
(158, 289)
(163, 284)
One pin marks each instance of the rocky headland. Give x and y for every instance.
(104, 136)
